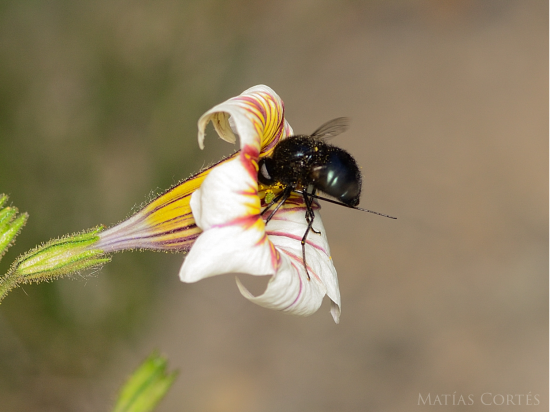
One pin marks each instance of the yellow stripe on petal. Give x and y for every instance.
(257, 115)
(267, 112)
(165, 224)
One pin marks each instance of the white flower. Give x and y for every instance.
(227, 208)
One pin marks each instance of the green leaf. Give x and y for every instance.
(146, 387)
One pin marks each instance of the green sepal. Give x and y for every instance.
(60, 257)
(9, 225)
(54, 259)
(145, 388)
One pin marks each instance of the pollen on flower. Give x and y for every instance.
(269, 196)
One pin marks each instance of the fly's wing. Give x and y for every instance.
(331, 128)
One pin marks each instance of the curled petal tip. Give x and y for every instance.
(335, 312)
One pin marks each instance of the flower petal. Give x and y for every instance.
(290, 290)
(227, 208)
(229, 192)
(257, 116)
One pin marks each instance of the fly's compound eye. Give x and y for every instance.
(264, 175)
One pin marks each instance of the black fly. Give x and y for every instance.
(305, 164)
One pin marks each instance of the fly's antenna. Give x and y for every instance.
(343, 204)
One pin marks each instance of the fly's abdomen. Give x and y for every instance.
(338, 177)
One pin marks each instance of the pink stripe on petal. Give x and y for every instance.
(253, 101)
(248, 159)
(249, 191)
(301, 262)
(275, 257)
(297, 298)
(246, 222)
(298, 238)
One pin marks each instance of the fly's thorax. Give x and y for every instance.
(278, 171)
(292, 159)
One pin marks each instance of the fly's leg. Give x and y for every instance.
(275, 200)
(310, 216)
(281, 198)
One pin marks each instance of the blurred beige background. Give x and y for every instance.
(449, 107)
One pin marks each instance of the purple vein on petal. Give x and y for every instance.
(289, 235)
(299, 259)
(296, 299)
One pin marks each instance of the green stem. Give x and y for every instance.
(6, 284)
